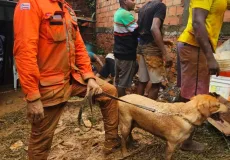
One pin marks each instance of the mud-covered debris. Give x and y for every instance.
(60, 123)
(68, 144)
(26, 148)
(8, 102)
(169, 94)
(77, 130)
(60, 129)
(17, 145)
(87, 123)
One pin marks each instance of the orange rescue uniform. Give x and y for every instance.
(48, 49)
(53, 64)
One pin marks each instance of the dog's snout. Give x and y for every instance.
(223, 108)
(216, 117)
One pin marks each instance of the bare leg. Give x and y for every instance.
(121, 91)
(147, 88)
(141, 88)
(169, 150)
(98, 75)
(153, 92)
(107, 79)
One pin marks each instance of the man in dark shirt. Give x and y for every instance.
(151, 47)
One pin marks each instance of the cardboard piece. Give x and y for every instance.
(222, 127)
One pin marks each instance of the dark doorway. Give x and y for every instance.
(6, 42)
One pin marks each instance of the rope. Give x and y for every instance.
(197, 71)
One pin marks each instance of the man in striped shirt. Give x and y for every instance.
(125, 37)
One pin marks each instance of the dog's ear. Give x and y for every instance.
(206, 108)
(214, 94)
(214, 107)
(203, 109)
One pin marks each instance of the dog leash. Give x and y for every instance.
(197, 71)
(79, 117)
(88, 100)
(178, 115)
(137, 105)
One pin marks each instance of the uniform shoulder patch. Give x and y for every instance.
(25, 6)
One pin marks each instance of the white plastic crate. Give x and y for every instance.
(220, 85)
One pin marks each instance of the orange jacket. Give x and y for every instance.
(48, 49)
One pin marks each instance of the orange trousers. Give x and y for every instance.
(42, 133)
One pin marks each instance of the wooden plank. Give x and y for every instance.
(223, 127)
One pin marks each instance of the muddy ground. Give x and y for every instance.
(70, 143)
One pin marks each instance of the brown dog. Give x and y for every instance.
(173, 122)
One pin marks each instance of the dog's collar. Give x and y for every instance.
(178, 115)
(185, 119)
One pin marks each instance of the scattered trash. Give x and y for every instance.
(95, 144)
(17, 145)
(68, 144)
(9, 102)
(26, 148)
(6, 92)
(102, 133)
(170, 94)
(88, 123)
(77, 130)
(57, 143)
(86, 120)
(60, 129)
(75, 99)
(99, 128)
(60, 123)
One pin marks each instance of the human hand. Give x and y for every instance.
(93, 87)
(137, 9)
(101, 64)
(213, 67)
(168, 43)
(35, 111)
(168, 62)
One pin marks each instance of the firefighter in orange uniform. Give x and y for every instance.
(53, 64)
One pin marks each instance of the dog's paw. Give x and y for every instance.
(133, 144)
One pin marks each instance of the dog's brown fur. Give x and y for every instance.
(164, 122)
